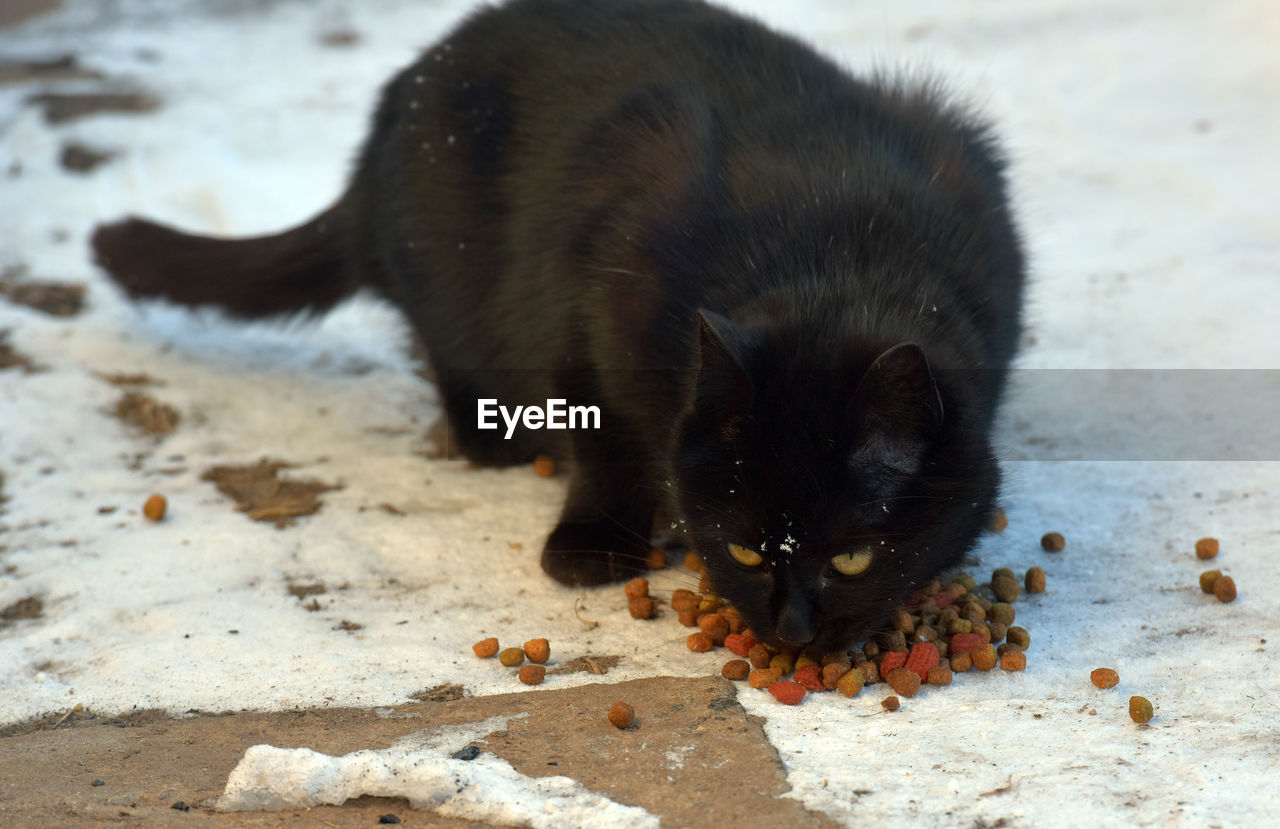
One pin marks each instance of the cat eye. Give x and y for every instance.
(744, 556)
(851, 564)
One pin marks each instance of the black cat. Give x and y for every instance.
(736, 251)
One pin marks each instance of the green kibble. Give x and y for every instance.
(1006, 588)
(1001, 612)
(1140, 710)
(960, 626)
(511, 657)
(1207, 579)
(968, 581)
(1018, 636)
(1002, 573)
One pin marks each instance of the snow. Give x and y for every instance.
(486, 788)
(1141, 137)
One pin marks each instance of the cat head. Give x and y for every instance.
(821, 484)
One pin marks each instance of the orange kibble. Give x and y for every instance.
(763, 677)
(486, 648)
(656, 559)
(544, 466)
(699, 642)
(155, 507)
(1104, 677)
(685, 600)
(621, 715)
(998, 521)
(715, 626)
(693, 561)
(538, 650)
(984, 658)
(1206, 548)
(1013, 660)
(637, 588)
(688, 618)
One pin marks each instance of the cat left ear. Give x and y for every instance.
(900, 390)
(723, 382)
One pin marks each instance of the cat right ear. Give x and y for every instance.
(723, 383)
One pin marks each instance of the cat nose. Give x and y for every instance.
(795, 626)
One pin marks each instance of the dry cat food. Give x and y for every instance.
(486, 648)
(1208, 578)
(1140, 710)
(538, 651)
(1206, 548)
(1104, 677)
(511, 657)
(1224, 588)
(942, 630)
(621, 715)
(544, 466)
(1053, 542)
(890, 703)
(532, 674)
(155, 507)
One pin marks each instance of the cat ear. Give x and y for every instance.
(723, 383)
(899, 388)
(900, 410)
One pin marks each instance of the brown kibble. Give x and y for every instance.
(905, 681)
(998, 521)
(621, 715)
(538, 650)
(486, 648)
(1034, 580)
(699, 642)
(1225, 589)
(736, 669)
(688, 618)
(759, 656)
(1140, 710)
(938, 675)
(831, 675)
(870, 673)
(1206, 548)
(637, 588)
(902, 621)
(1006, 588)
(544, 466)
(984, 658)
(693, 561)
(997, 631)
(1208, 578)
(1003, 613)
(155, 507)
(1019, 636)
(656, 559)
(1104, 677)
(532, 674)
(685, 600)
(1053, 542)
(641, 607)
(511, 657)
(704, 584)
(763, 677)
(1013, 660)
(890, 704)
(961, 662)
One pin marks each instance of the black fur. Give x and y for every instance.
(793, 294)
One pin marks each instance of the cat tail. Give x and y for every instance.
(307, 269)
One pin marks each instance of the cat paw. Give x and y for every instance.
(592, 553)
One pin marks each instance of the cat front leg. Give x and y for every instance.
(603, 534)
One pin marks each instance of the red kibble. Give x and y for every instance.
(739, 644)
(787, 692)
(922, 657)
(809, 677)
(965, 642)
(892, 661)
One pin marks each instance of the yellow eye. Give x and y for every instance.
(851, 564)
(744, 556)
